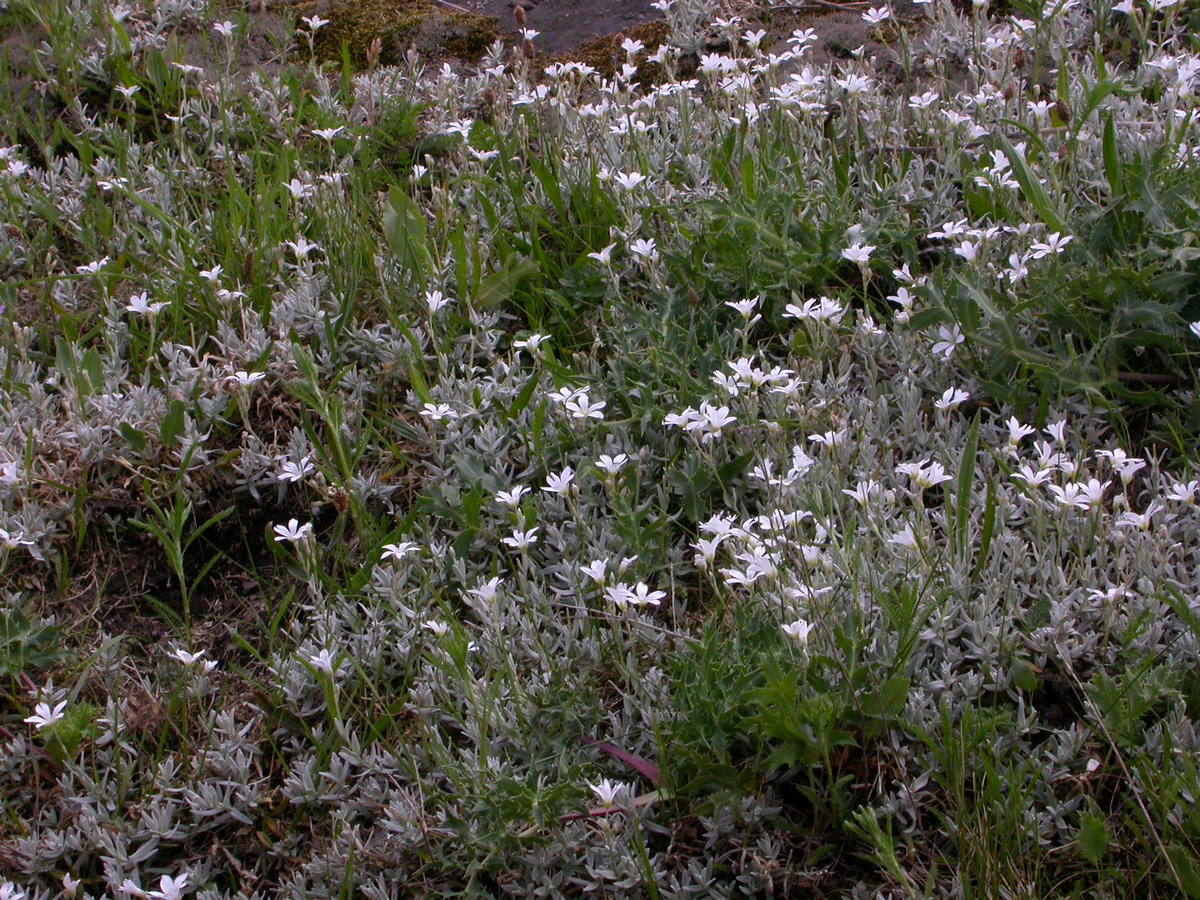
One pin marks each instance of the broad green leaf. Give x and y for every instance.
(1093, 836)
(171, 426)
(500, 285)
(404, 230)
(135, 438)
(1184, 864)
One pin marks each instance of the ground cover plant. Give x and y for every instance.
(717, 477)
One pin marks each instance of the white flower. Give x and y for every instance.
(607, 792)
(968, 250)
(951, 398)
(858, 252)
(212, 275)
(188, 659)
(328, 134)
(560, 483)
(512, 498)
(43, 716)
(314, 22)
(1055, 243)
(949, 339)
(822, 310)
(853, 84)
(618, 595)
(798, 631)
(532, 344)
(461, 127)
(322, 661)
(876, 14)
(604, 257)
(924, 474)
(140, 304)
(1080, 496)
(293, 531)
(1140, 521)
(863, 491)
(612, 464)
(170, 888)
(225, 29)
(298, 189)
(628, 180)
(1017, 431)
(580, 407)
(486, 592)
(290, 470)
(710, 422)
(641, 595)
(1194, 328)
(439, 412)
(1033, 477)
(905, 538)
(745, 307)
(436, 300)
(1184, 493)
(706, 551)
(596, 570)
(646, 249)
(522, 540)
(439, 628)
(93, 267)
(829, 438)
(399, 550)
(246, 379)
(1123, 464)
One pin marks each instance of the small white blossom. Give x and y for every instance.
(293, 531)
(44, 716)
(560, 483)
(607, 792)
(522, 540)
(799, 631)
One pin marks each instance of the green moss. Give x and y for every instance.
(435, 31)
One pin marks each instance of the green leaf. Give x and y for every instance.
(987, 530)
(135, 438)
(404, 230)
(94, 368)
(963, 488)
(1023, 675)
(171, 426)
(500, 285)
(1031, 187)
(1113, 170)
(1093, 836)
(1185, 867)
(521, 401)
